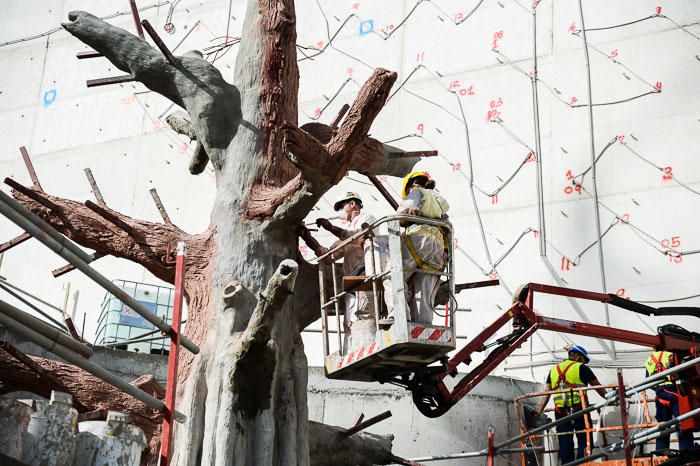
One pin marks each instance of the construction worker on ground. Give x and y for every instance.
(358, 305)
(667, 399)
(570, 375)
(423, 248)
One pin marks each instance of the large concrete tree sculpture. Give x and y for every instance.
(245, 393)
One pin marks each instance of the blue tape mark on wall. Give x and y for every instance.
(49, 97)
(366, 26)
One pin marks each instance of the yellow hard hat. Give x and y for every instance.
(406, 181)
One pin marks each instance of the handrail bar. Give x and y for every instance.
(412, 218)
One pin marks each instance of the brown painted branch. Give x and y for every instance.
(322, 165)
(311, 242)
(148, 245)
(361, 425)
(364, 110)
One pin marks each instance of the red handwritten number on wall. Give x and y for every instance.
(658, 85)
(669, 245)
(494, 199)
(621, 293)
(456, 166)
(569, 175)
(668, 174)
(621, 139)
(531, 157)
(467, 91)
(349, 72)
(496, 37)
(493, 113)
(573, 100)
(420, 56)
(614, 54)
(420, 128)
(458, 17)
(571, 189)
(658, 10)
(572, 27)
(565, 263)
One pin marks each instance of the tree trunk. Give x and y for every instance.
(245, 392)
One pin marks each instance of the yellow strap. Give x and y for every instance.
(419, 262)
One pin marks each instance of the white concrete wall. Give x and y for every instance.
(118, 132)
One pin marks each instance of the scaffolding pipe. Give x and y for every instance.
(44, 329)
(60, 245)
(5, 282)
(134, 340)
(642, 437)
(476, 454)
(32, 224)
(650, 382)
(94, 369)
(59, 325)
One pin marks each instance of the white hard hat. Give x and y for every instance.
(346, 197)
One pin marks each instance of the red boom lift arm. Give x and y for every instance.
(433, 398)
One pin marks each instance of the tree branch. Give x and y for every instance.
(180, 123)
(321, 165)
(193, 83)
(147, 243)
(328, 446)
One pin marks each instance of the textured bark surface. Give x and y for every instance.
(245, 392)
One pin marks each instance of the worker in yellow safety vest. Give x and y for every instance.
(570, 375)
(422, 248)
(667, 399)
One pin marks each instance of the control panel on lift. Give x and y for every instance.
(370, 350)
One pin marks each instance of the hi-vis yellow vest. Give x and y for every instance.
(659, 362)
(570, 370)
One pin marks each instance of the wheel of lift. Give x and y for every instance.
(429, 400)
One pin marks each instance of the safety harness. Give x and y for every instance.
(419, 262)
(571, 398)
(655, 364)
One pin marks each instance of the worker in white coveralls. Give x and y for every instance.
(359, 306)
(422, 248)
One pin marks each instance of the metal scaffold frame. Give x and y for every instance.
(76, 352)
(618, 395)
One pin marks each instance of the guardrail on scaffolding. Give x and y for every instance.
(75, 352)
(618, 395)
